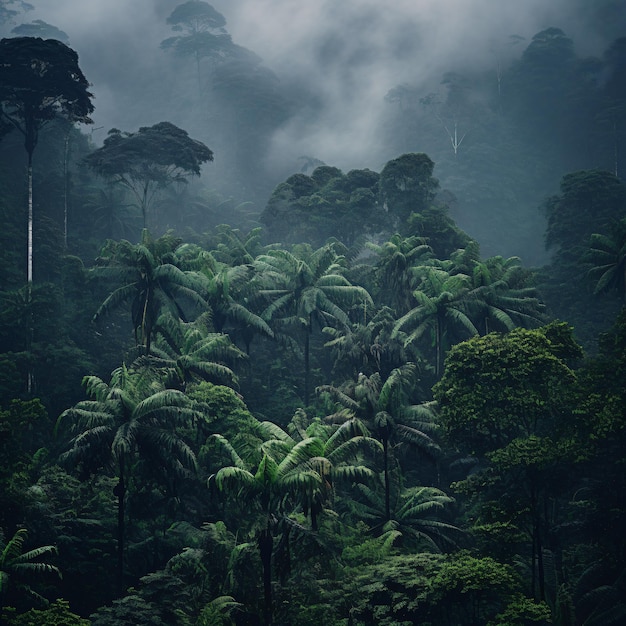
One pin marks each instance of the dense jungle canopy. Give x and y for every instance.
(242, 383)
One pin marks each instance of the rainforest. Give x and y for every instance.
(312, 314)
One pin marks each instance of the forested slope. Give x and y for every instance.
(237, 393)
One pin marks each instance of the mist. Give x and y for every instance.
(336, 60)
(348, 54)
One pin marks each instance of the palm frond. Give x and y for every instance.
(236, 460)
(235, 478)
(266, 471)
(118, 297)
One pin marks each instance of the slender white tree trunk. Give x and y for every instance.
(65, 184)
(29, 267)
(29, 272)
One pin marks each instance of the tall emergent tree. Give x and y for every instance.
(203, 31)
(149, 160)
(40, 80)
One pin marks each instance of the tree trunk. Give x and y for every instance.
(438, 355)
(265, 550)
(540, 569)
(120, 492)
(29, 265)
(29, 273)
(65, 185)
(144, 205)
(307, 366)
(386, 472)
(533, 568)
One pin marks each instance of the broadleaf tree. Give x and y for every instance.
(40, 80)
(149, 160)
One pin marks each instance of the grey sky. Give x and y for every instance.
(349, 53)
(341, 57)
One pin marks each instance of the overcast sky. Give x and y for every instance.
(341, 57)
(349, 52)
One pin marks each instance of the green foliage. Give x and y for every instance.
(133, 609)
(328, 204)
(499, 387)
(364, 549)
(24, 431)
(32, 94)
(607, 255)
(188, 352)
(466, 574)
(415, 514)
(224, 413)
(586, 212)
(304, 290)
(149, 160)
(218, 612)
(18, 567)
(588, 203)
(534, 454)
(126, 416)
(428, 588)
(441, 313)
(523, 611)
(151, 282)
(79, 517)
(407, 186)
(56, 614)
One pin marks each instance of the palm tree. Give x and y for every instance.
(236, 248)
(367, 348)
(394, 269)
(340, 455)
(151, 282)
(130, 416)
(269, 487)
(383, 407)
(229, 292)
(504, 297)
(305, 289)
(298, 467)
(444, 306)
(17, 566)
(414, 514)
(226, 290)
(607, 254)
(188, 352)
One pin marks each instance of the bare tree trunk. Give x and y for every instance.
(65, 185)
(29, 273)
(265, 550)
(120, 492)
(29, 265)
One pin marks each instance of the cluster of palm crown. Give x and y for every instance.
(189, 309)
